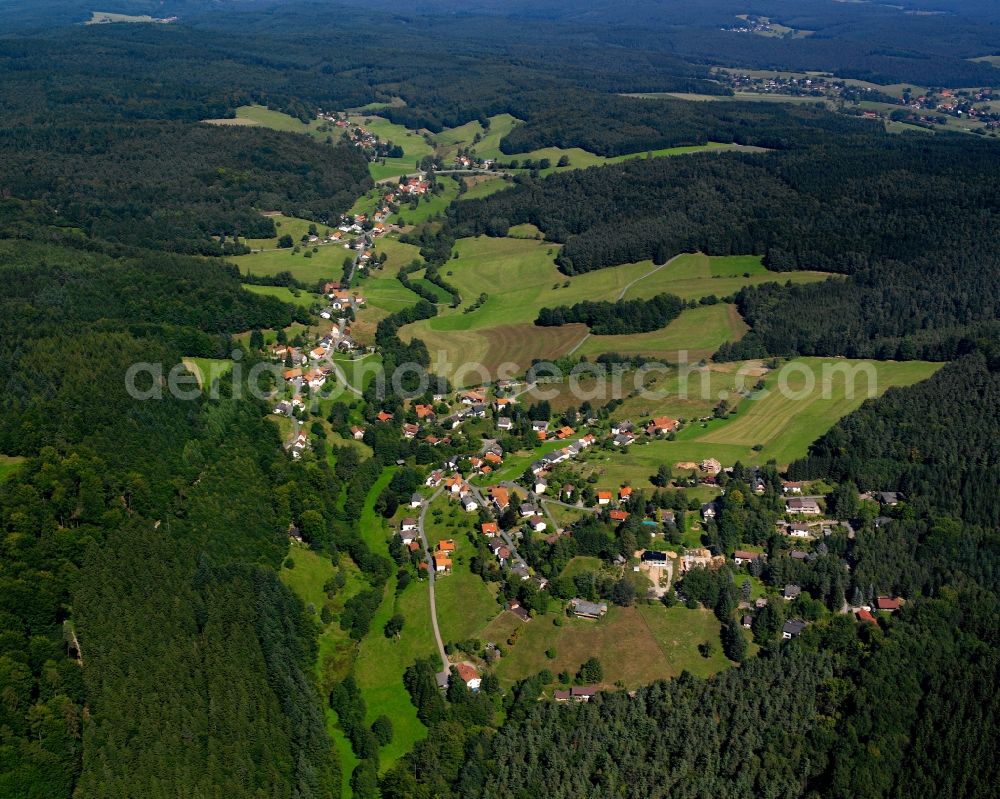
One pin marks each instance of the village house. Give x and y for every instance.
(540, 485)
(791, 592)
(515, 607)
(410, 431)
(624, 493)
(623, 440)
(424, 412)
(504, 423)
(588, 610)
(660, 425)
(798, 530)
(468, 675)
(489, 529)
(792, 628)
(500, 497)
(434, 479)
(537, 524)
(603, 497)
(408, 524)
(806, 506)
(384, 417)
(741, 556)
(618, 515)
(792, 486)
(890, 604)
(865, 616)
(416, 501)
(709, 510)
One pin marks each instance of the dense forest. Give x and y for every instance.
(850, 205)
(178, 187)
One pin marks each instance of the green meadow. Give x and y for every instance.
(303, 299)
(636, 645)
(8, 465)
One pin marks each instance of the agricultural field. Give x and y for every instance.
(483, 186)
(636, 645)
(257, 116)
(106, 17)
(782, 424)
(698, 332)
(8, 465)
(520, 277)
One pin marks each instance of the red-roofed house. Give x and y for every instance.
(469, 676)
(891, 604)
(489, 529)
(603, 497)
(864, 615)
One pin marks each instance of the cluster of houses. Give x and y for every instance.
(469, 160)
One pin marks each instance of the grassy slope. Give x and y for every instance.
(303, 299)
(464, 602)
(381, 662)
(635, 645)
(693, 275)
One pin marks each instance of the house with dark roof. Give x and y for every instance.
(792, 628)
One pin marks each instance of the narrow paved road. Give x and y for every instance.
(430, 576)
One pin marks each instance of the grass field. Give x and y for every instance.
(692, 276)
(303, 299)
(8, 465)
(336, 651)
(208, 370)
(520, 277)
(430, 206)
(635, 645)
(485, 187)
(327, 263)
(464, 602)
(292, 225)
